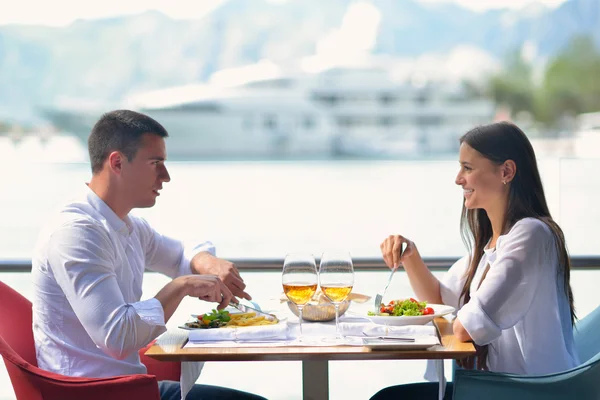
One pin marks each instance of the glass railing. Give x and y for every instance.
(263, 210)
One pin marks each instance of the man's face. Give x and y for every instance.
(143, 177)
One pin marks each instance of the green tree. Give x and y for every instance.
(571, 82)
(514, 87)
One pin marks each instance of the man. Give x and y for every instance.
(89, 262)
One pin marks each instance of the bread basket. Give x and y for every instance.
(320, 309)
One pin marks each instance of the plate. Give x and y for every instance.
(439, 311)
(195, 316)
(386, 344)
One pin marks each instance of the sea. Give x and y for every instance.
(266, 209)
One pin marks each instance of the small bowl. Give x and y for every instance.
(319, 312)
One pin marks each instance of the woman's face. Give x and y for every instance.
(480, 179)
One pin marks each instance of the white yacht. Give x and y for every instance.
(351, 111)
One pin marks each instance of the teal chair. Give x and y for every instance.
(581, 383)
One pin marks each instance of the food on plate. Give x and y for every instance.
(249, 319)
(224, 319)
(407, 307)
(213, 319)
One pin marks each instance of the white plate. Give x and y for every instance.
(195, 316)
(386, 344)
(439, 310)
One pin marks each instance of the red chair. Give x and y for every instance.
(32, 383)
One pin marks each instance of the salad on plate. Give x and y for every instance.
(407, 307)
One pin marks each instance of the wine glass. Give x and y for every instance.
(299, 279)
(336, 278)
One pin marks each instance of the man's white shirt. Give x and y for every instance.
(87, 272)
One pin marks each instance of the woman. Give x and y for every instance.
(512, 290)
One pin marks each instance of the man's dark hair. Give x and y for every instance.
(120, 130)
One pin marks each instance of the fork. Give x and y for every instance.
(379, 296)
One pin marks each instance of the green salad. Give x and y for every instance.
(213, 319)
(408, 307)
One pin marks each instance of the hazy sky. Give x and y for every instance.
(63, 12)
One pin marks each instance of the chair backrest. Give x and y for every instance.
(587, 336)
(32, 383)
(579, 383)
(17, 368)
(16, 325)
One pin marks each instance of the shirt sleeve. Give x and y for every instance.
(167, 255)
(83, 265)
(506, 293)
(452, 282)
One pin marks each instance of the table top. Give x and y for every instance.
(169, 347)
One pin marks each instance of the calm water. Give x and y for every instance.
(267, 209)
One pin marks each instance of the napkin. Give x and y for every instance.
(190, 372)
(372, 329)
(249, 333)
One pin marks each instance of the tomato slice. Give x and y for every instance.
(428, 311)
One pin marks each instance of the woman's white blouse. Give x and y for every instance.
(521, 309)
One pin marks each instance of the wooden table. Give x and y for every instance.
(315, 371)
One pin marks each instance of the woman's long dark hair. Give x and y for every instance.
(499, 142)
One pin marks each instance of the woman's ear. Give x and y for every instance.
(509, 169)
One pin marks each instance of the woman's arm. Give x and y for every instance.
(460, 332)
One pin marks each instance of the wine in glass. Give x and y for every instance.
(300, 280)
(336, 278)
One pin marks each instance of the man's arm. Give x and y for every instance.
(166, 255)
(83, 265)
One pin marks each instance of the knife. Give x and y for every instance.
(235, 303)
(402, 339)
(397, 338)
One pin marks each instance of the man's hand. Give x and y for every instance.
(205, 287)
(205, 263)
(208, 288)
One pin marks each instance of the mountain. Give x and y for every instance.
(105, 59)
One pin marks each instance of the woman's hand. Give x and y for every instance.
(425, 285)
(391, 249)
(460, 332)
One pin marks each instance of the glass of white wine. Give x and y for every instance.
(336, 278)
(300, 280)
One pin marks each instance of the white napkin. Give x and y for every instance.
(372, 329)
(261, 332)
(190, 372)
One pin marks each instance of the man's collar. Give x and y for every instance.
(116, 223)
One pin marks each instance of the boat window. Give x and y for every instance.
(203, 107)
(309, 123)
(270, 122)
